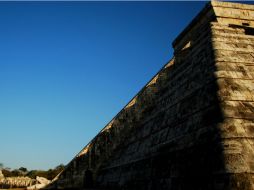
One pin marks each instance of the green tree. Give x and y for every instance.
(23, 169)
(32, 174)
(7, 173)
(59, 168)
(50, 174)
(17, 173)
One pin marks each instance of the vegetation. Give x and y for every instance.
(22, 171)
(50, 174)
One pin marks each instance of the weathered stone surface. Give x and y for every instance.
(1, 174)
(41, 182)
(21, 182)
(16, 182)
(192, 125)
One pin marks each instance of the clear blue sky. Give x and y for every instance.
(67, 68)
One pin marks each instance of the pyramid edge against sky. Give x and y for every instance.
(192, 125)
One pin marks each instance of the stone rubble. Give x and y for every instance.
(22, 182)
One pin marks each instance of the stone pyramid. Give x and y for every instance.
(192, 125)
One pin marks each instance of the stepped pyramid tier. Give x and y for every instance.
(192, 125)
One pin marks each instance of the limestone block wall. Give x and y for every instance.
(234, 56)
(192, 125)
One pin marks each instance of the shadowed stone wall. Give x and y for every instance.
(191, 126)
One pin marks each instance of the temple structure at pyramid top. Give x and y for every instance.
(192, 125)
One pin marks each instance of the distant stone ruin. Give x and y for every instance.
(16, 182)
(192, 125)
(22, 182)
(1, 174)
(41, 182)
